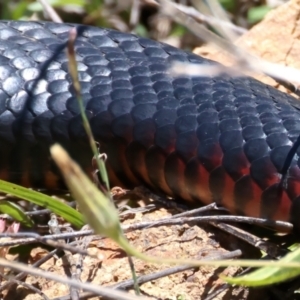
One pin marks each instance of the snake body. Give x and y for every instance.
(202, 139)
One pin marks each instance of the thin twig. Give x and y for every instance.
(209, 207)
(209, 20)
(50, 11)
(135, 13)
(285, 226)
(243, 60)
(100, 291)
(67, 259)
(38, 263)
(127, 284)
(26, 285)
(21, 275)
(173, 270)
(270, 248)
(32, 237)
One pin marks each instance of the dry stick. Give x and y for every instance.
(284, 226)
(29, 238)
(224, 287)
(26, 285)
(219, 290)
(127, 210)
(271, 249)
(68, 258)
(243, 59)
(21, 275)
(82, 296)
(199, 30)
(51, 12)
(219, 13)
(209, 20)
(100, 291)
(145, 278)
(38, 263)
(78, 266)
(206, 208)
(48, 240)
(135, 13)
(214, 9)
(154, 276)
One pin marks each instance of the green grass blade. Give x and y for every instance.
(269, 275)
(16, 212)
(68, 213)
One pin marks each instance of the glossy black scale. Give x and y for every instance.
(224, 138)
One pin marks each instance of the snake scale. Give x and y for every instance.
(202, 139)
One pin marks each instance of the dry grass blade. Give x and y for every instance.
(198, 15)
(50, 11)
(214, 8)
(243, 60)
(98, 210)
